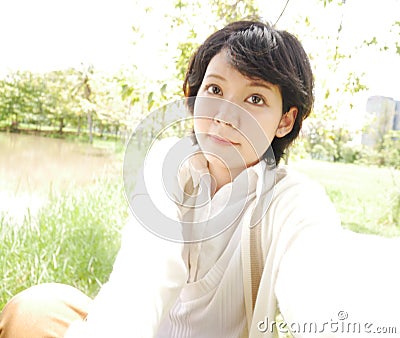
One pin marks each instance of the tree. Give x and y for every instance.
(83, 91)
(222, 13)
(19, 101)
(336, 83)
(57, 99)
(230, 11)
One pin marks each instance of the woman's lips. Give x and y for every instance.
(222, 140)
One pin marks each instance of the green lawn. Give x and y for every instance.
(367, 198)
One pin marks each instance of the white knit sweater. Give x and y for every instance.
(315, 271)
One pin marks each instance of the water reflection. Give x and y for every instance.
(32, 166)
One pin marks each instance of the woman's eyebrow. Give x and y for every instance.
(220, 77)
(260, 84)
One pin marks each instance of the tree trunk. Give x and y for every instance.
(90, 127)
(61, 125)
(79, 125)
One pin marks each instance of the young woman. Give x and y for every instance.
(251, 238)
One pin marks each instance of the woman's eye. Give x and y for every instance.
(255, 99)
(213, 89)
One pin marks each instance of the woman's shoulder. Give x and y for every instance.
(300, 197)
(298, 205)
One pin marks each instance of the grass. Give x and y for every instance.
(367, 198)
(72, 240)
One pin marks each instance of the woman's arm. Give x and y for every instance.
(332, 282)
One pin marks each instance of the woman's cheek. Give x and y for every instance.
(201, 125)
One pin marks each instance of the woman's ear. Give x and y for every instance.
(287, 122)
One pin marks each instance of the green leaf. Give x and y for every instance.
(150, 100)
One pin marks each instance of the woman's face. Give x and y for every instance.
(236, 118)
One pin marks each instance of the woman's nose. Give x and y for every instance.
(228, 114)
(218, 120)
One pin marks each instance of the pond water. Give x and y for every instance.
(32, 166)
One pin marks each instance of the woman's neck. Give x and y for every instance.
(221, 175)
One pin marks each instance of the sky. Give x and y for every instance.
(41, 35)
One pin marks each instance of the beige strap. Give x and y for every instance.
(256, 261)
(252, 263)
(246, 266)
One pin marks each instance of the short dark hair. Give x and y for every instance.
(260, 51)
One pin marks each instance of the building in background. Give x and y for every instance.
(383, 116)
(396, 120)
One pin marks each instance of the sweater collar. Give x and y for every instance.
(259, 178)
